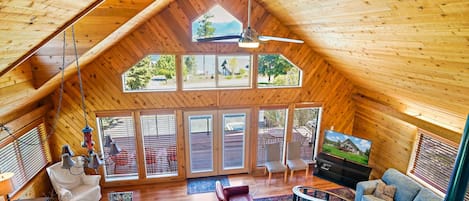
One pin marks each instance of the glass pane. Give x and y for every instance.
(159, 141)
(275, 70)
(271, 131)
(234, 71)
(234, 133)
(216, 22)
(32, 154)
(12, 165)
(198, 71)
(121, 130)
(201, 143)
(434, 161)
(152, 73)
(305, 121)
(24, 157)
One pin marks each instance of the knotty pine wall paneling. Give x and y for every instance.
(392, 132)
(169, 33)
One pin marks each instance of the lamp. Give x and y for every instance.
(114, 150)
(6, 186)
(66, 150)
(67, 161)
(107, 141)
(94, 162)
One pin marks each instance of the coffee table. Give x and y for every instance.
(313, 194)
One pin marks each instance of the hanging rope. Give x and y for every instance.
(83, 106)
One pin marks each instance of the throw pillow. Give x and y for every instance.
(385, 192)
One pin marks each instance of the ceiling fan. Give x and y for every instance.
(249, 37)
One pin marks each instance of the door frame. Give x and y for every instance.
(217, 142)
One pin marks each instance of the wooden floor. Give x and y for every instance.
(258, 188)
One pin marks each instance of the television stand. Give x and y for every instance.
(340, 170)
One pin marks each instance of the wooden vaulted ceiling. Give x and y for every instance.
(413, 55)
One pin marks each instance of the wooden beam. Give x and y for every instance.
(382, 107)
(50, 37)
(26, 119)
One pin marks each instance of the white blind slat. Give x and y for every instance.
(159, 144)
(434, 162)
(24, 157)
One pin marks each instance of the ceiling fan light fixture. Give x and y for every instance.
(248, 39)
(248, 44)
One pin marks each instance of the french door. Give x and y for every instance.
(216, 142)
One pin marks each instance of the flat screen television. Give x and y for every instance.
(347, 147)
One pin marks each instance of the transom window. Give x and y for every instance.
(274, 70)
(216, 71)
(216, 22)
(152, 73)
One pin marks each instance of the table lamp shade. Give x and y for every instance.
(5, 183)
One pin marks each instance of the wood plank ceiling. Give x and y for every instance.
(38, 76)
(411, 54)
(27, 25)
(415, 52)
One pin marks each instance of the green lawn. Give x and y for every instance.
(362, 159)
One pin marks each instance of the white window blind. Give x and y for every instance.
(434, 161)
(159, 141)
(24, 157)
(122, 131)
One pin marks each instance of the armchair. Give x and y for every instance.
(232, 193)
(73, 184)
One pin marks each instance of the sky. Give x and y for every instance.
(223, 22)
(362, 144)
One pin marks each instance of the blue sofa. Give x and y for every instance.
(406, 188)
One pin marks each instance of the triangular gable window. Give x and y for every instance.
(216, 22)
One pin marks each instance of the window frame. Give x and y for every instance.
(413, 156)
(285, 132)
(141, 124)
(300, 77)
(195, 20)
(176, 76)
(38, 124)
(116, 177)
(319, 107)
(216, 76)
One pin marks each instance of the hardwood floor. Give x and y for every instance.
(257, 184)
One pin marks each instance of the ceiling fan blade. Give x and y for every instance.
(289, 40)
(208, 39)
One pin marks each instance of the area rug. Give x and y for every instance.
(344, 192)
(205, 184)
(121, 196)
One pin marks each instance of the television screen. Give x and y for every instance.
(347, 147)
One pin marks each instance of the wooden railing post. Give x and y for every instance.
(459, 178)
